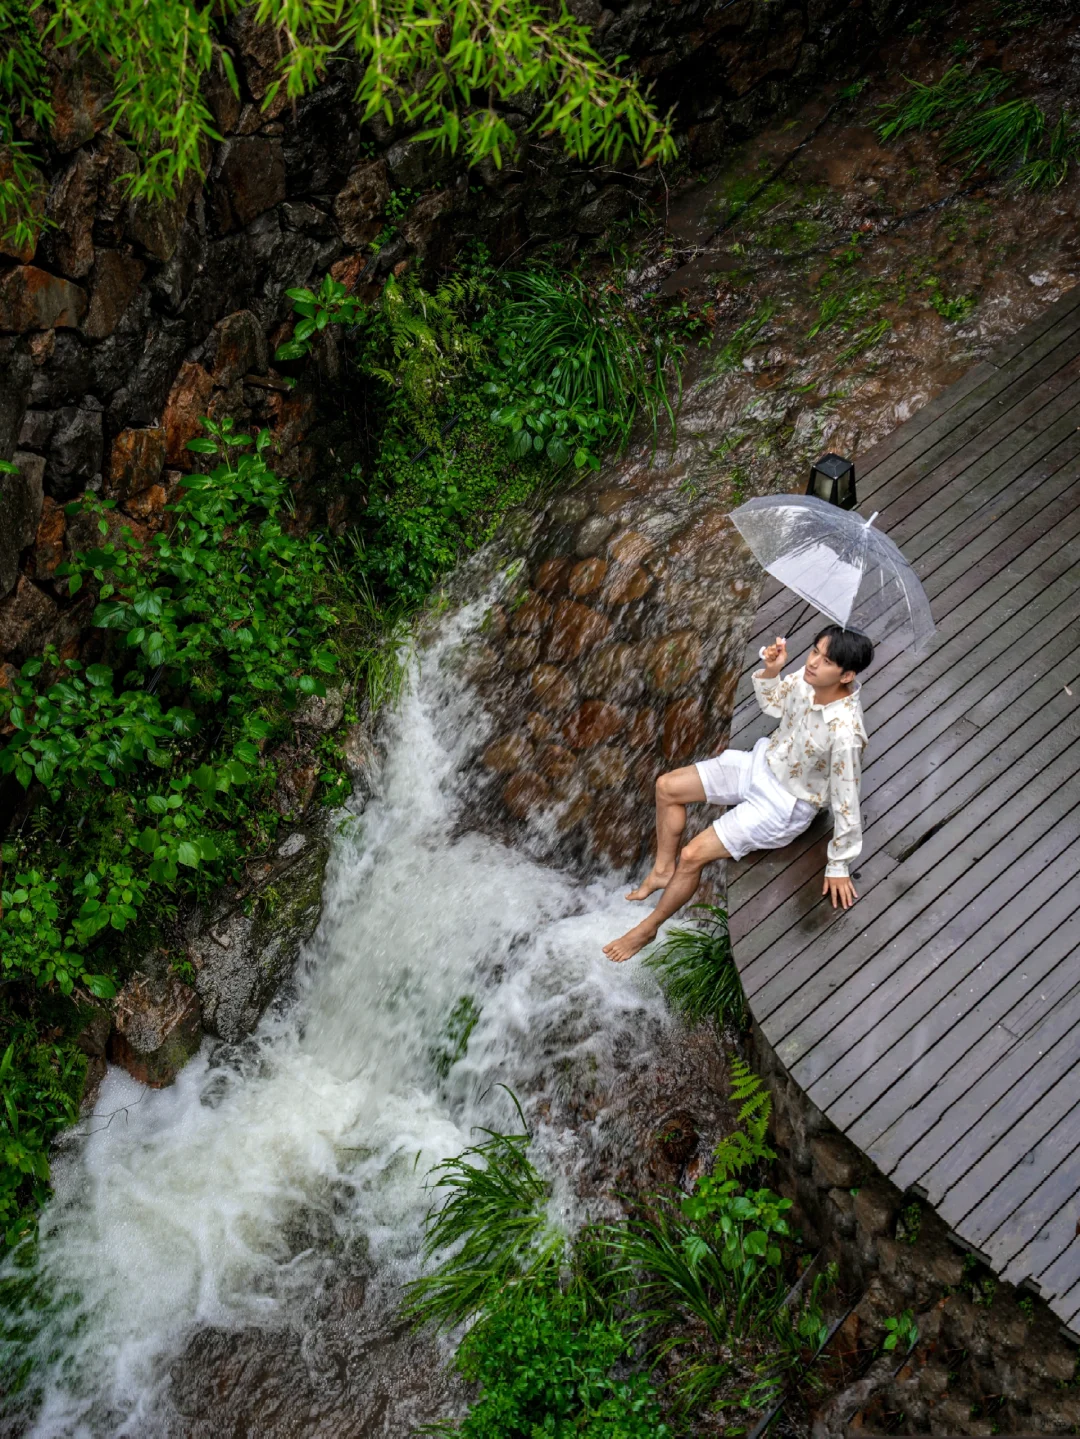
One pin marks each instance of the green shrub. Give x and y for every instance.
(41, 1081)
(545, 1367)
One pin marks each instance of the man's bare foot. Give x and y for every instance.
(654, 880)
(633, 940)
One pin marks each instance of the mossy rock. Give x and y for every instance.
(247, 949)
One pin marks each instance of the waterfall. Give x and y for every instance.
(232, 1203)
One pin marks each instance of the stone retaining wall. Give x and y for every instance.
(128, 322)
(991, 1358)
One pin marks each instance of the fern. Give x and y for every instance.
(745, 1146)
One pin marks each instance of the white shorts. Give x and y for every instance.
(763, 814)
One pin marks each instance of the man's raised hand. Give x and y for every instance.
(775, 657)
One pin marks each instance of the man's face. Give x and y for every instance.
(820, 671)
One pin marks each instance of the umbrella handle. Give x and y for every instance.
(761, 651)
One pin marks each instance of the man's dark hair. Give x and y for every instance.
(847, 648)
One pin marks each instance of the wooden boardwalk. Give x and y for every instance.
(937, 1023)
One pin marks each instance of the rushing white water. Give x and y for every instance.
(222, 1200)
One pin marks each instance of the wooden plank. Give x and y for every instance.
(935, 901)
(887, 995)
(908, 430)
(962, 1020)
(1026, 1159)
(1041, 358)
(976, 448)
(910, 1154)
(986, 1152)
(974, 675)
(1052, 1256)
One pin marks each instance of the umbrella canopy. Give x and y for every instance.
(839, 563)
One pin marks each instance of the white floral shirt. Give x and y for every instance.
(815, 752)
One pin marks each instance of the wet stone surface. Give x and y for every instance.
(611, 656)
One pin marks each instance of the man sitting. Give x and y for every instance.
(812, 759)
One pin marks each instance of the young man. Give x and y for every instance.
(813, 758)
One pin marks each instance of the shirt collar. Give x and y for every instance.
(854, 694)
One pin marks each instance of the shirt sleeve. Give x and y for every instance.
(771, 693)
(846, 843)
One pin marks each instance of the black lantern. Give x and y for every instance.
(832, 479)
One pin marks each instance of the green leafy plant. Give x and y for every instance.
(745, 1146)
(909, 1222)
(575, 368)
(739, 344)
(545, 1363)
(443, 72)
(998, 137)
(901, 1332)
(930, 106)
(697, 973)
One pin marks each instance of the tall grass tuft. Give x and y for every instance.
(1046, 172)
(697, 971)
(576, 366)
(929, 107)
(1000, 136)
(491, 1230)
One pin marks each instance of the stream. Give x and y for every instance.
(225, 1256)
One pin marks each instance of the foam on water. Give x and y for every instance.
(210, 1203)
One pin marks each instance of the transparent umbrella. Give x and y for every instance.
(839, 563)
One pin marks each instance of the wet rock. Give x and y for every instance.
(69, 241)
(626, 584)
(643, 728)
(114, 281)
(605, 768)
(136, 461)
(49, 540)
(249, 179)
(556, 763)
(237, 346)
(27, 619)
(188, 402)
(551, 689)
(297, 773)
(32, 299)
(504, 756)
(592, 723)
(524, 793)
(591, 534)
(612, 672)
(223, 102)
(16, 377)
(521, 653)
(156, 1029)
(575, 628)
(322, 713)
(552, 576)
(836, 1163)
(586, 577)
(631, 547)
(684, 729)
(673, 662)
(247, 947)
(421, 221)
(21, 499)
(531, 617)
(72, 441)
(148, 505)
(156, 225)
(611, 204)
(875, 1209)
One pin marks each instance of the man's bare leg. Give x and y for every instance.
(701, 850)
(674, 791)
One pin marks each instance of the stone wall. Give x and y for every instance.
(990, 1359)
(128, 322)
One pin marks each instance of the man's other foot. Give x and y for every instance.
(633, 940)
(654, 880)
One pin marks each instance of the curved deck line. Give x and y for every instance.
(937, 1024)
